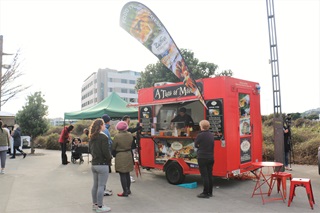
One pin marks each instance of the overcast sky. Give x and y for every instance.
(64, 41)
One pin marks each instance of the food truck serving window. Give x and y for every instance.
(165, 115)
(157, 118)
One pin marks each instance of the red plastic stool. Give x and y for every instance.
(281, 178)
(306, 183)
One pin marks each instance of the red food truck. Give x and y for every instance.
(233, 110)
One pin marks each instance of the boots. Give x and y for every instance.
(125, 193)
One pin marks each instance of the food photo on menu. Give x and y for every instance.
(176, 149)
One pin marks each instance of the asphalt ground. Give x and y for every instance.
(40, 183)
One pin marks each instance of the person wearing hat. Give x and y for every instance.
(106, 118)
(184, 118)
(122, 143)
(136, 138)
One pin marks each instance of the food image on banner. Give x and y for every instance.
(167, 149)
(140, 22)
(244, 112)
(245, 150)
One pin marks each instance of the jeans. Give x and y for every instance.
(205, 167)
(100, 177)
(64, 157)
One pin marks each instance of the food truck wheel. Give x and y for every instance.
(174, 173)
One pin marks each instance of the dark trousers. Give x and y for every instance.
(16, 148)
(64, 157)
(125, 182)
(205, 167)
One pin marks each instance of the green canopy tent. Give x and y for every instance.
(113, 105)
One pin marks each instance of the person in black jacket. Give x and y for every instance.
(101, 159)
(287, 147)
(16, 135)
(205, 144)
(183, 119)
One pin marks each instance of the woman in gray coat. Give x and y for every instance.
(123, 161)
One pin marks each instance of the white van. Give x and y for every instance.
(26, 142)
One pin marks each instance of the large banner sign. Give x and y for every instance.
(140, 22)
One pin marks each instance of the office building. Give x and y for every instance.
(102, 83)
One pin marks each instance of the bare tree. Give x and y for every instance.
(8, 79)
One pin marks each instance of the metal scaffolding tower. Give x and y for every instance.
(277, 116)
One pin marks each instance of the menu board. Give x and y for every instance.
(146, 120)
(215, 117)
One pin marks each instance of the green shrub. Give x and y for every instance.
(79, 126)
(268, 151)
(40, 142)
(267, 132)
(268, 122)
(300, 135)
(307, 152)
(300, 122)
(52, 142)
(54, 129)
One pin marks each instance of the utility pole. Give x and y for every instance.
(1, 53)
(2, 65)
(277, 113)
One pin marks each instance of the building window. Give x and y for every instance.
(124, 90)
(110, 80)
(110, 89)
(132, 82)
(132, 91)
(124, 81)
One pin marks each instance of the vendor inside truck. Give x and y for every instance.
(183, 119)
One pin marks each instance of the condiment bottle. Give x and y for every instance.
(188, 131)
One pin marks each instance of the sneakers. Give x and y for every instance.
(2, 171)
(107, 192)
(288, 168)
(24, 155)
(103, 209)
(132, 180)
(95, 206)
